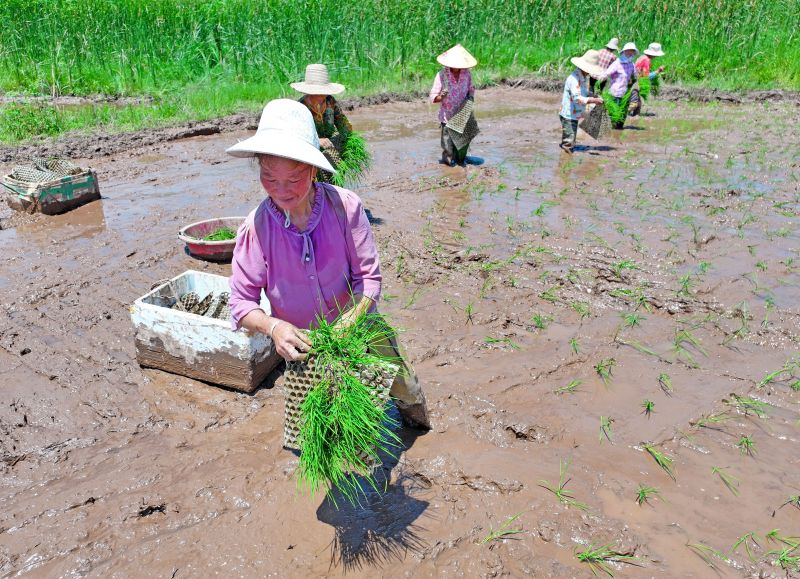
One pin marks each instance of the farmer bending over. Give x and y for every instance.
(576, 97)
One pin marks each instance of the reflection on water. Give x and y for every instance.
(82, 223)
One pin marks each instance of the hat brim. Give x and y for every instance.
(649, 52)
(612, 46)
(328, 89)
(450, 62)
(591, 69)
(281, 145)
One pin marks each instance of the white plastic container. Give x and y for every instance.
(196, 346)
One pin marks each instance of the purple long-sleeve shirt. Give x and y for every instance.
(305, 273)
(620, 72)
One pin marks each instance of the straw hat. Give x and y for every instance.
(589, 62)
(286, 129)
(317, 81)
(654, 50)
(456, 57)
(613, 44)
(630, 46)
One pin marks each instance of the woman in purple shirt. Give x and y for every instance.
(308, 246)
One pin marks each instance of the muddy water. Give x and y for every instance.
(511, 280)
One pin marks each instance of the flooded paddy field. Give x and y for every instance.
(575, 320)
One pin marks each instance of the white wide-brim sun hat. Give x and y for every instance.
(317, 81)
(630, 46)
(589, 62)
(286, 129)
(654, 50)
(613, 44)
(456, 57)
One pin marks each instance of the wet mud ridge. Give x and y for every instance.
(608, 342)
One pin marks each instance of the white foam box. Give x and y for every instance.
(196, 346)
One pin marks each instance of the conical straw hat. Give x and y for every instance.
(456, 57)
(317, 81)
(589, 62)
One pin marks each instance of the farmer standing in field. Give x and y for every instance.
(643, 70)
(621, 73)
(576, 96)
(608, 54)
(332, 125)
(453, 88)
(309, 246)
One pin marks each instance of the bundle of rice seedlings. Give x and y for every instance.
(648, 87)
(221, 234)
(356, 159)
(617, 112)
(343, 424)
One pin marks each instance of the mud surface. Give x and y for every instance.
(667, 254)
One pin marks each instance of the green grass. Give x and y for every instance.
(343, 426)
(205, 59)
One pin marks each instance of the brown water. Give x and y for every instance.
(109, 470)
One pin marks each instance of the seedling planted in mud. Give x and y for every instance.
(502, 531)
(746, 540)
(707, 554)
(598, 558)
(632, 319)
(665, 382)
(662, 460)
(573, 343)
(603, 369)
(774, 537)
(711, 419)
(507, 341)
(746, 445)
(749, 406)
(682, 339)
(623, 265)
(789, 368)
(564, 496)
(785, 559)
(793, 501)
(728, 480)
(570, 388)
(540, 321)
(582, 308)
(648, 406)
(606, 431)
(644, 493)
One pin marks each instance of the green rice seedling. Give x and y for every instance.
(623, 265)
(506, 341)
(632, 319)
(665, 382)
(355, 161)
(502, 531)
(769, 307)
(644, 493)
(570, 388)
(730, 481)
(469, 311)
(617, 111)
(573, 344)
(564, 496)
(686, 282)
(648, 406)
(639, 347)
(662, 460)
(582, 308)
(707, 554)
(785, 372)
(682, 339)
(604, 368)
(550, 294)
(793, 501)
(606, 430)
(785, 558)
(343, 426)
(540, 321)
(221, 234)
(749, 406)
(746, 445)
(711, 420)
(774, 537)
(749, 541)
(412, 299)
(598, 558)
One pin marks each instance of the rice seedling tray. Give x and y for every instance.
(200, 347)
(52, 197)
(300, 377)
